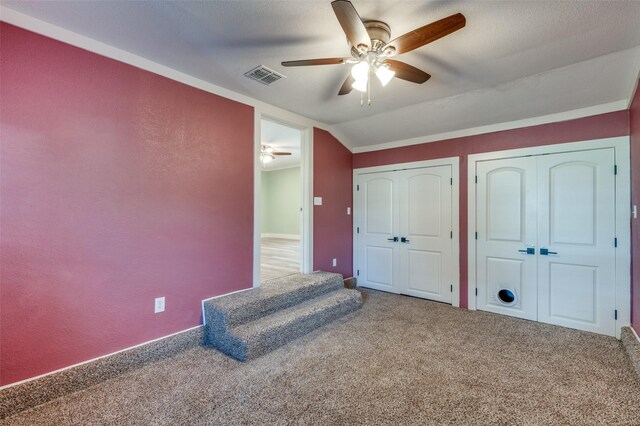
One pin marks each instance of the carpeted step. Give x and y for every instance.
(271, 296)
(262, 335)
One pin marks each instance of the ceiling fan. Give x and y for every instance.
(268, 154)
(371, 50)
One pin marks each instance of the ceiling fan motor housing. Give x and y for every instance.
(379, 33)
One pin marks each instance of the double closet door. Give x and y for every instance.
(546, 238)
(403, 232)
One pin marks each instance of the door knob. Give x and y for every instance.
(404, 240)
(546, 252)
(394, 239)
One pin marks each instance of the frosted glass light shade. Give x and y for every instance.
(384, 74)
(360, 85)
(360, 71)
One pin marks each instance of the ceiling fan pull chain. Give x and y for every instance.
(369, 92)
(361, 99)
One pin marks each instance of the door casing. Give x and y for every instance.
(306, 165)
(622, 214)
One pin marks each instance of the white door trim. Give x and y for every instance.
(623, 214)
(454, 162)
(306, 166)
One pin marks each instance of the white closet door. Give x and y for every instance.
(378, 224)
(576, 224)
(425, 225)
(506, 226)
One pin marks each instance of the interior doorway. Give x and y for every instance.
(281, 195)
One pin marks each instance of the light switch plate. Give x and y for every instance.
(317, 201)
(348, 210)
(159, 305)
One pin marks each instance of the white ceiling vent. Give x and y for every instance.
(263, 75)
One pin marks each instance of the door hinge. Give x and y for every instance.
(615, 315)
(476, 178)
(357, 230)
(476, 291)
(451, 234)
(615, 169)
(615, 242)
(357, 187)
(358, 272)
(451, 181)
(451, 288)
(476, 235)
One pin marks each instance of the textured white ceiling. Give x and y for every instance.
(513, 60)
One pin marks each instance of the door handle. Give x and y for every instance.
(529, 250)
(394, 239)
(404, 240)
(546, 252)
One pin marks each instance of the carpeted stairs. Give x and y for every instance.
(248, 324)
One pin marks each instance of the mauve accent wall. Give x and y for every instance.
(332, 227)
(595, 127)
(634, 126)
(118, 186)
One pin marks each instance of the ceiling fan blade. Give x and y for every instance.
(351, 23)
(407, 72)
(307, 62)
(281, 153)
(424, 35)
(346, 86)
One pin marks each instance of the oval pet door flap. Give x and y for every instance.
(507, 297)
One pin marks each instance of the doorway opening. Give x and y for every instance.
(281, 194)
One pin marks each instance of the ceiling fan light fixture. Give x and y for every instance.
(384, 74)
(360, 71)
(360, 85)
(267, 158)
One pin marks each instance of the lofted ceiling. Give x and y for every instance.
(514, 60)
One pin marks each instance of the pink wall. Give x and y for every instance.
(332, 227)
(595, 127)
(118, 186)
(634, 126)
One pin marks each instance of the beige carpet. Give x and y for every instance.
(398, 360)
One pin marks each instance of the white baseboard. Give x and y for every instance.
(633, 330)
(284, 236)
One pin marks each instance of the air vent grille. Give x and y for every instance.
(263, 75)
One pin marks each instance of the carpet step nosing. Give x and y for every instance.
(312, 322)
(297, 311)
(268, 333)
(250, 306)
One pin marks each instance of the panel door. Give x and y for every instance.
(425, 225)
(378, 223)
(576, 224)
(506, 226)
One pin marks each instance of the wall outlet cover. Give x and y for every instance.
(317, 201)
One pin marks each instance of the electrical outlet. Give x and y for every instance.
(348, 211)
(317, 201)
(159, 305)
(335, 262)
